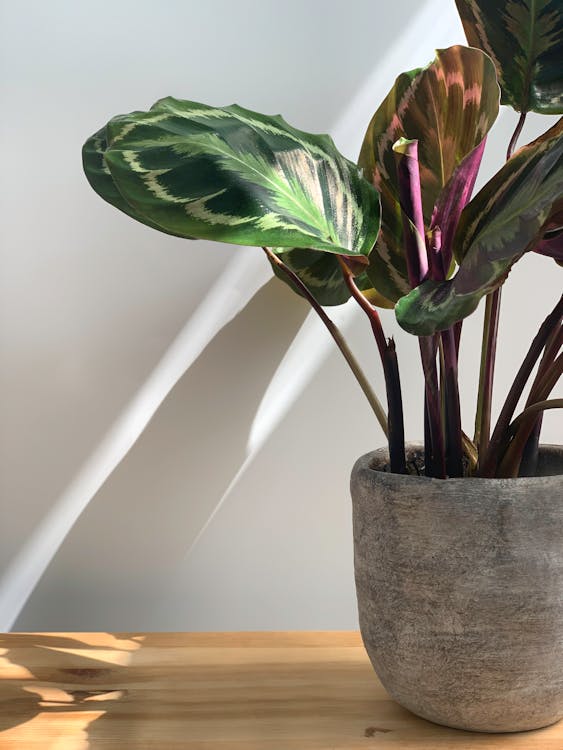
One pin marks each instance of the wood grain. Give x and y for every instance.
(212, 691)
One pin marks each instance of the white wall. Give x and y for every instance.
(91, 301)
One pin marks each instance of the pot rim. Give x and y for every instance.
(365, 463)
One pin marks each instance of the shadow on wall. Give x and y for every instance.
(137, 528)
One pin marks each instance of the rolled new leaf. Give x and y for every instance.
(507, 218)
(448, 107)
(524, 38)
(233, 175)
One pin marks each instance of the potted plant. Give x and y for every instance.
(458, 541)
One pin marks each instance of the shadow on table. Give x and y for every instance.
(102, 688)
(58, 674)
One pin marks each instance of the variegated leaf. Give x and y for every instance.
(321, 274)
(448, 107)
(237, 176)
(100, 178)
(508, 217)
(524, 38)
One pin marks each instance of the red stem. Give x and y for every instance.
(366, 306)
(387, 352)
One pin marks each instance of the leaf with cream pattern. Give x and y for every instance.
(233, 175)
(524, 38)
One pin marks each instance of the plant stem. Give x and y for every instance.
(539, 406)
(552, 347)
(487, 371)
(416, 254)
(387, 352)
(521, 429)
(338, 338)
(530, 454)
(490, 460)
(395, 405)
(457, 335)
(515, 135)
(489, 345)
(544, 384)
(366, 306)
(470, 455)
(428, 463)
(436, 467)
(454, 450)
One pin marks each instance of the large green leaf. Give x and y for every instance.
(237, 176)
(524, 38)
(508, 217)
(101, 180)
(448, 107)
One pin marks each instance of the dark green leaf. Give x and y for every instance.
(232, 175)
(524, 38)
(100, 179)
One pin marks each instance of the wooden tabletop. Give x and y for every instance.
(212, 691)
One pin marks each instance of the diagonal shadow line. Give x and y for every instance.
(310, 348)
(242, 278)
(219, 306)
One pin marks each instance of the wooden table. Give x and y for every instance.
(212, 691)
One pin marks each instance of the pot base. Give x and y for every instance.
(460, 593)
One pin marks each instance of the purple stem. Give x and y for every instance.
(457, 335)
(454, 447)
(491, 458)
(529, 463)
(530, 454)
(396, 422)
(408, 177)
(437, 467)
(388, 354)
(515, 135)
(486, 376)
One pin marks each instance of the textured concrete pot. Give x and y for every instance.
(460, 592)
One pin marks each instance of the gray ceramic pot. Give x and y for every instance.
(460, 592)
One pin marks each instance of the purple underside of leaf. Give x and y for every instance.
(552, 248)
(452, 200)
(551, 243)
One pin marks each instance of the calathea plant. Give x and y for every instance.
(399, 229)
